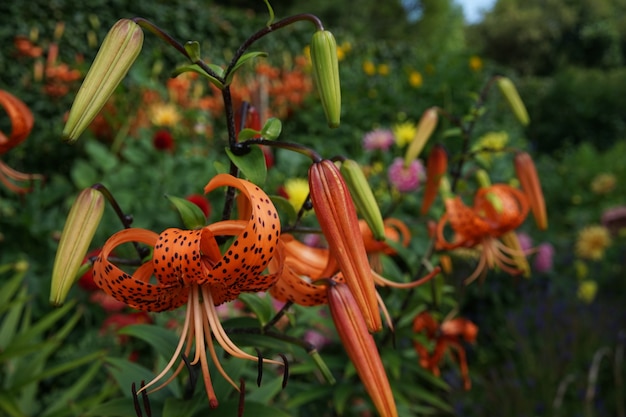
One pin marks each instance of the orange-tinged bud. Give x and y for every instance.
(425, 129)
(436, 167)
(528, 178)
(361, 348)
(115, 57)
(337, 217)
(77, 234)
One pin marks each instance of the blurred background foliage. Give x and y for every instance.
(567, 60)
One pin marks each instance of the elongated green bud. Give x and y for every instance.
(425, 129)
(77, 234)
(363, 197)
(508, 90)
(326, 74)
(115, 57)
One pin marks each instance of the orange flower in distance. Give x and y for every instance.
(447, 335)
(187, 267)
(22, 121)
(497, 209)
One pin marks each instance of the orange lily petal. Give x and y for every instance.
(436, 167)
(136, 290)
(22, 121)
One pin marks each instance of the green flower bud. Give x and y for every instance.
(115, 57)
(363, 197)
(326, 74)
(508, 90)
(77, 234)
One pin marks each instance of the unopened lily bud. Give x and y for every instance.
(508, 90)
(425, 129)
(529, 180)
(361, 348)
(363, 197)
(337, 217)
(115, 57)
(77, 234)
(326, 74)
(436, 167)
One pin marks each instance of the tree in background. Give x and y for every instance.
(540, 36)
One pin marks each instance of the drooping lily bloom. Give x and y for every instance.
(22, 121)
(187, 267)
(447, 335)
(497, 209)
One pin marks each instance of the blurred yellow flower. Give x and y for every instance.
(603, 183)
(489, 145)
(587, 290)
(297, 190)
(307, 52)
(475, 63)
(404, 133)
(592, 242)
(377, 167)
(164, 114)
(383, 69)
(369, 68)
(581, 269)
(415, 79)
(342, 50)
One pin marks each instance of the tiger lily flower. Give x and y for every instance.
(189, 268)
(447, 335)
(497, 209)
(22, 121)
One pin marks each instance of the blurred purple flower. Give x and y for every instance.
(405, 179)
(378, 139)
(543, 258)
(525, 241)
(316, 338)
(614, 219)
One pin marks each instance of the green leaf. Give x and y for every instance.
(305, 397)
(162, 340)
(34, 332)
(83, 174)
(119, 407)
(193, 50)
(272, 128)
(9, 405)
(284, 206)
(197, 69)
(266, 392)
(101, 156)
(248, 133)
(252, 164)
(262, 307)
(126, 373)
(242, 60)
(175, 407)
(230, 408)
(8, 328)
(190, 214)
(70, 394)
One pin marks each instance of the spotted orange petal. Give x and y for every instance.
(136, 290)
(469, 228)
(511, 210)
(254, 246)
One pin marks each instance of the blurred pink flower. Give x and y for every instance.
(378, 139)
(525, 241)
(614, 219)
(316, 338)
(543, 258)
(405, 179)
